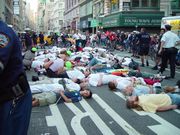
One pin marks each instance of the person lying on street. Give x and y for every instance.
(154, 102)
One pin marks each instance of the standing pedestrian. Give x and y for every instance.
(41, 40)
(168, 50)
(28, 40)
(34, 38)
(144, 41)
(15, 94)
(158, 56)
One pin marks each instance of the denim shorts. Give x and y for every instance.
(175, 99)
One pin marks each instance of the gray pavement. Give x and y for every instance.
(105, 113)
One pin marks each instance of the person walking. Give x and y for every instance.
(168, 50)
(15, 94)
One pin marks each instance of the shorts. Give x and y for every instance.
(46, 98)
(51, 74)
(175, 98)
(143, 50)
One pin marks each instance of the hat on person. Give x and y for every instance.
(68, 65)
(68, 52)
(34, 49)
(168, 27)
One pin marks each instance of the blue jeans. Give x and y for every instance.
(93, 62)
(175, 99)
(14, 120)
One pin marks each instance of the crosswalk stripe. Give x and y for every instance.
(105, 130)
(122, 123)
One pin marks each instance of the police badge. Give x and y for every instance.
(4, 40)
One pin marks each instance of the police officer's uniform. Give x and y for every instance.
(15, 95)
(169, 52)
(144, 40)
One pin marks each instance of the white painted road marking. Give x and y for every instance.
(92, 114)
(120, 121)
(164, 128)
(76, 120)
(57, 120)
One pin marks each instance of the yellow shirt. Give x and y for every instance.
(151, 102)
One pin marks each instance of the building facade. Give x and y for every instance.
(71, 16)
(19, 15)
(40, 16)
(6, 11)
(57, 16)
(131, 15)
(86, 15)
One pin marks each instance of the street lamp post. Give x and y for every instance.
(96, 15)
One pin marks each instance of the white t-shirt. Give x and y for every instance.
(37, 64)
(46, 87)
(126, 61)
(108, 78)
(70, 85)
(123, 82)
(93, 79)
(75, 74)
(170, 39)
(58, 63)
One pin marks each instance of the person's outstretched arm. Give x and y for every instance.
(166, 108)
(66, 99)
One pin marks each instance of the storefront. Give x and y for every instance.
(133, 21)
(85, 23)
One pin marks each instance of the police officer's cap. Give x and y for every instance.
(168, 27)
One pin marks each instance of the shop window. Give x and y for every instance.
(154, 3)
(145, 3)
(135, 3)
(175, 4)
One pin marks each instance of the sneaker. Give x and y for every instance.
(155, 68)
(147, 63)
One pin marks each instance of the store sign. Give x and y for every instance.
(94, 23)
(141, 20)
(111, 21)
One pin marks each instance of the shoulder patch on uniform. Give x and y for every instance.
(4, 40)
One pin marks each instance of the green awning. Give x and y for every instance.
(150, 20)
(132, 19)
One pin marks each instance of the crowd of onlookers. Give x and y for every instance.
(140, 44)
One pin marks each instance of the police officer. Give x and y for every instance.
(168, 50)
(15, 95)
(143, 42)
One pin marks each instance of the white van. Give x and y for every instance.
(174, 21)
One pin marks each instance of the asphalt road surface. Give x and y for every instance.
(104, 114)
